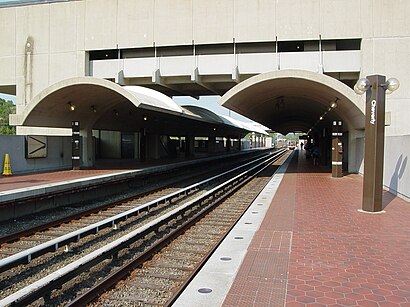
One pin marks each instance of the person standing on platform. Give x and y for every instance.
(315, 154)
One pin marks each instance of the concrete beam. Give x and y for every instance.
(196, 77)
(157, 79)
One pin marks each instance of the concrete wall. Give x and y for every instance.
(397, 165)
(110, 144)
(396, 175)
(58, 154)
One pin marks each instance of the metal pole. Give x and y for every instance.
(374, 145)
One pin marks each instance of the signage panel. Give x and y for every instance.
(36, 146)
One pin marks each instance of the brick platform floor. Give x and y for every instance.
(24, 181)
(102, 167)
(105, 167)
(334, 255)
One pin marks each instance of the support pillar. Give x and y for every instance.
(153, 146)
(88, 150)
(211, 144)
(189, 146)
(143, 145)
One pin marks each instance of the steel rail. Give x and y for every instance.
(59, 277)
(26, 232)
(7, 198)
(26, 256)
(125, 270)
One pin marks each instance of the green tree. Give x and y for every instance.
(6, 108)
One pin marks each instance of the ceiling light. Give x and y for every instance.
(72, 107)
(333, 104)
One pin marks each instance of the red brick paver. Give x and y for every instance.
(337, 257)
(31, 180)
(106, 167)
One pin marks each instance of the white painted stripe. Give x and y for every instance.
(336, 163)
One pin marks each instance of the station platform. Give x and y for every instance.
(103, 169)
(304, 243)
(42, 191)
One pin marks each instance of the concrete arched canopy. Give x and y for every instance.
(293, 100)
(223, 121)
(104, 105)
(97, 103)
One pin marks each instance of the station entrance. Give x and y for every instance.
(302, 101)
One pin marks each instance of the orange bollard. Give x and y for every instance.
(7, 167)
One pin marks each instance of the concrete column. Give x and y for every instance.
(88, 150)
(189, 146)
(211, 144)
(143, 145)
(356, 151)
(137, 147)
(153, 146)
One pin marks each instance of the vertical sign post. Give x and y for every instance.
(337, 149)
(75, 145)
(374, 145)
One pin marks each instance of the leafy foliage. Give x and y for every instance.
(6, 108)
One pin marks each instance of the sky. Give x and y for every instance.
(8, 97)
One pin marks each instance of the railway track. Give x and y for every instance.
(11, 231)
(95, 251)
(160, 280)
